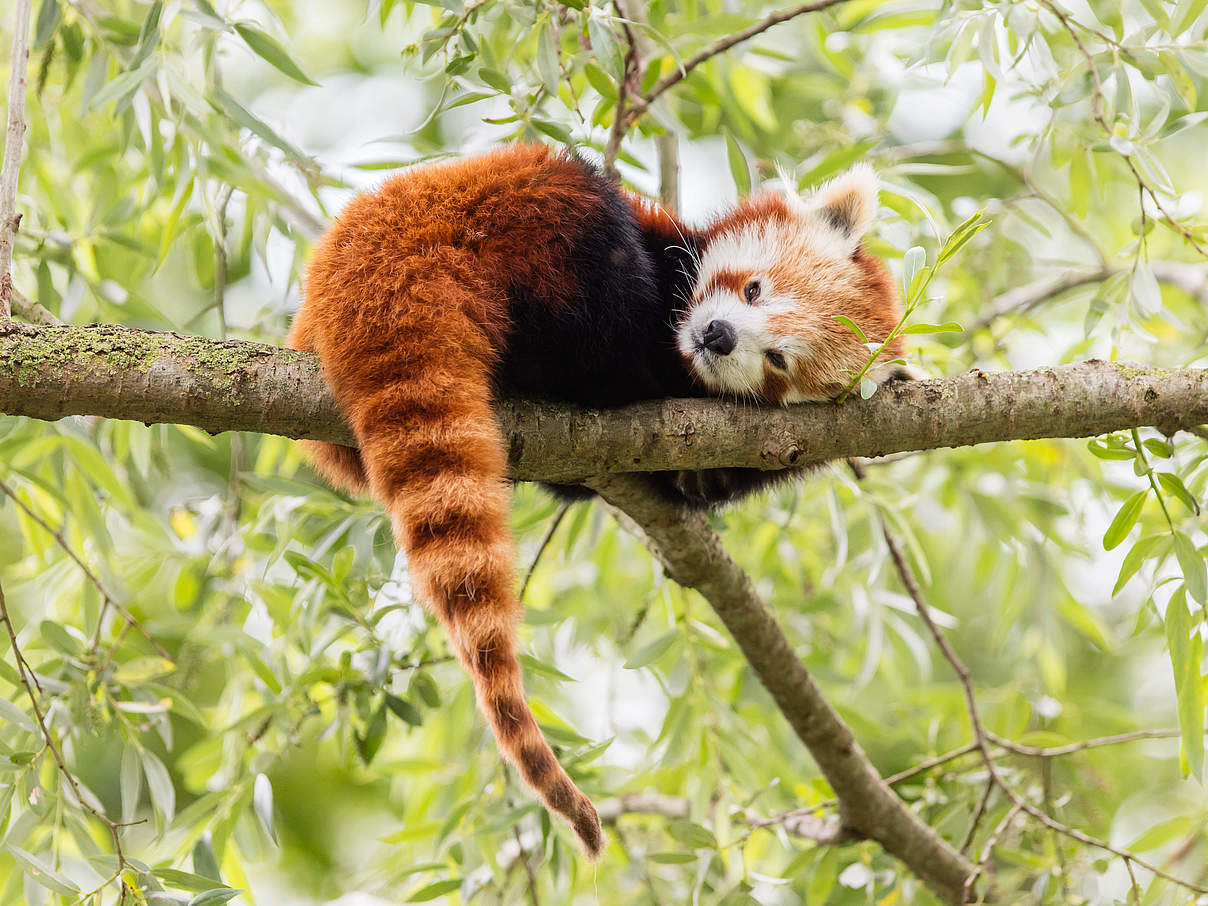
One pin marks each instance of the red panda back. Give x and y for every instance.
(406, 306)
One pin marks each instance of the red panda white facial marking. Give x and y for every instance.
(772, 276)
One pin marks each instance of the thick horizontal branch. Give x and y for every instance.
(116, 372)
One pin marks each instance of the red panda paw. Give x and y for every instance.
(892, 372)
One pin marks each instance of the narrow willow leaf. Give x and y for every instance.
(186, 880)
(651, 651)
(946, 327)
(912, 264)
(262, 805)
(130, 782)
(37, 870)
(49, 16)
(1173, 485)
(1186, 652)
(404, 710)
(601, 81)
(852, 326)
(159, 782)
(215, 897)
(1125, 519)
(14, 715)
(740, 170)
(271, 52)
(1191, 562)
(432, 891)
(547, 59)
(1136, 557)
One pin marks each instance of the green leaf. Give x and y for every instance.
(185, 880)
(130, 781)
(262, 805)
(1185, 14)
(495, 79)
(404, 710)
(1125, 519)
(740, 170)
(14, 715)
(159, 782)
(947, 327)
(600, 80)
(39, 871)
(432, 891)
(59, 638)
(49, 15)
(1186, 653)
(215, 896)
(1145, 290)
(691, 834)
(1135, 559)
(272, 52)
(852, 326)
(867, 387)
(142, 668)
(225, 104)
(1173, 485)
(673, 858)
(912, 263)
(651, 651)
(1191, 562)
(370, 742)
(553, 130)
(547, 59)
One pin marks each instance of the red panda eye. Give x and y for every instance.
(751, 291)
(776, 360)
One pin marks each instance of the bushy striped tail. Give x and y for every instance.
(434, 455)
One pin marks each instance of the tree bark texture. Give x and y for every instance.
(694, 557)
(51, 371)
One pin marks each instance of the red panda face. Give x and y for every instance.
(772, 276)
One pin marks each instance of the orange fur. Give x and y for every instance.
(406, 307)
(424, 293)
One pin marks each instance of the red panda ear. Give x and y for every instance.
(848, 203)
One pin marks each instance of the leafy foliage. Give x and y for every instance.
(303, 734)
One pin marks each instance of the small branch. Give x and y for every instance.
(549, 535)
(1190, 278)
(988, 850)
(694, 557)
(25, 674)
(10, 218)
(31, 311)
(108, 600)
(983, 738)
(642, 104)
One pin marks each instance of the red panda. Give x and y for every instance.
(525, 272)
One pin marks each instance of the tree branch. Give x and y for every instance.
(10, 219)
(116, 372)
(694, 557)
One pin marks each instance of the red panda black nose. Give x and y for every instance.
(720, 337)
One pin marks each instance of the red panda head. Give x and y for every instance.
(773, 273)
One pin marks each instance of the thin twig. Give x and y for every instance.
(10, 218)
(642, 104)
(24, 673)
(549, 535)
(1097, 112)
(108, 600)
(991, 842)
(30, 310)
(982, 737)
(978, 814)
